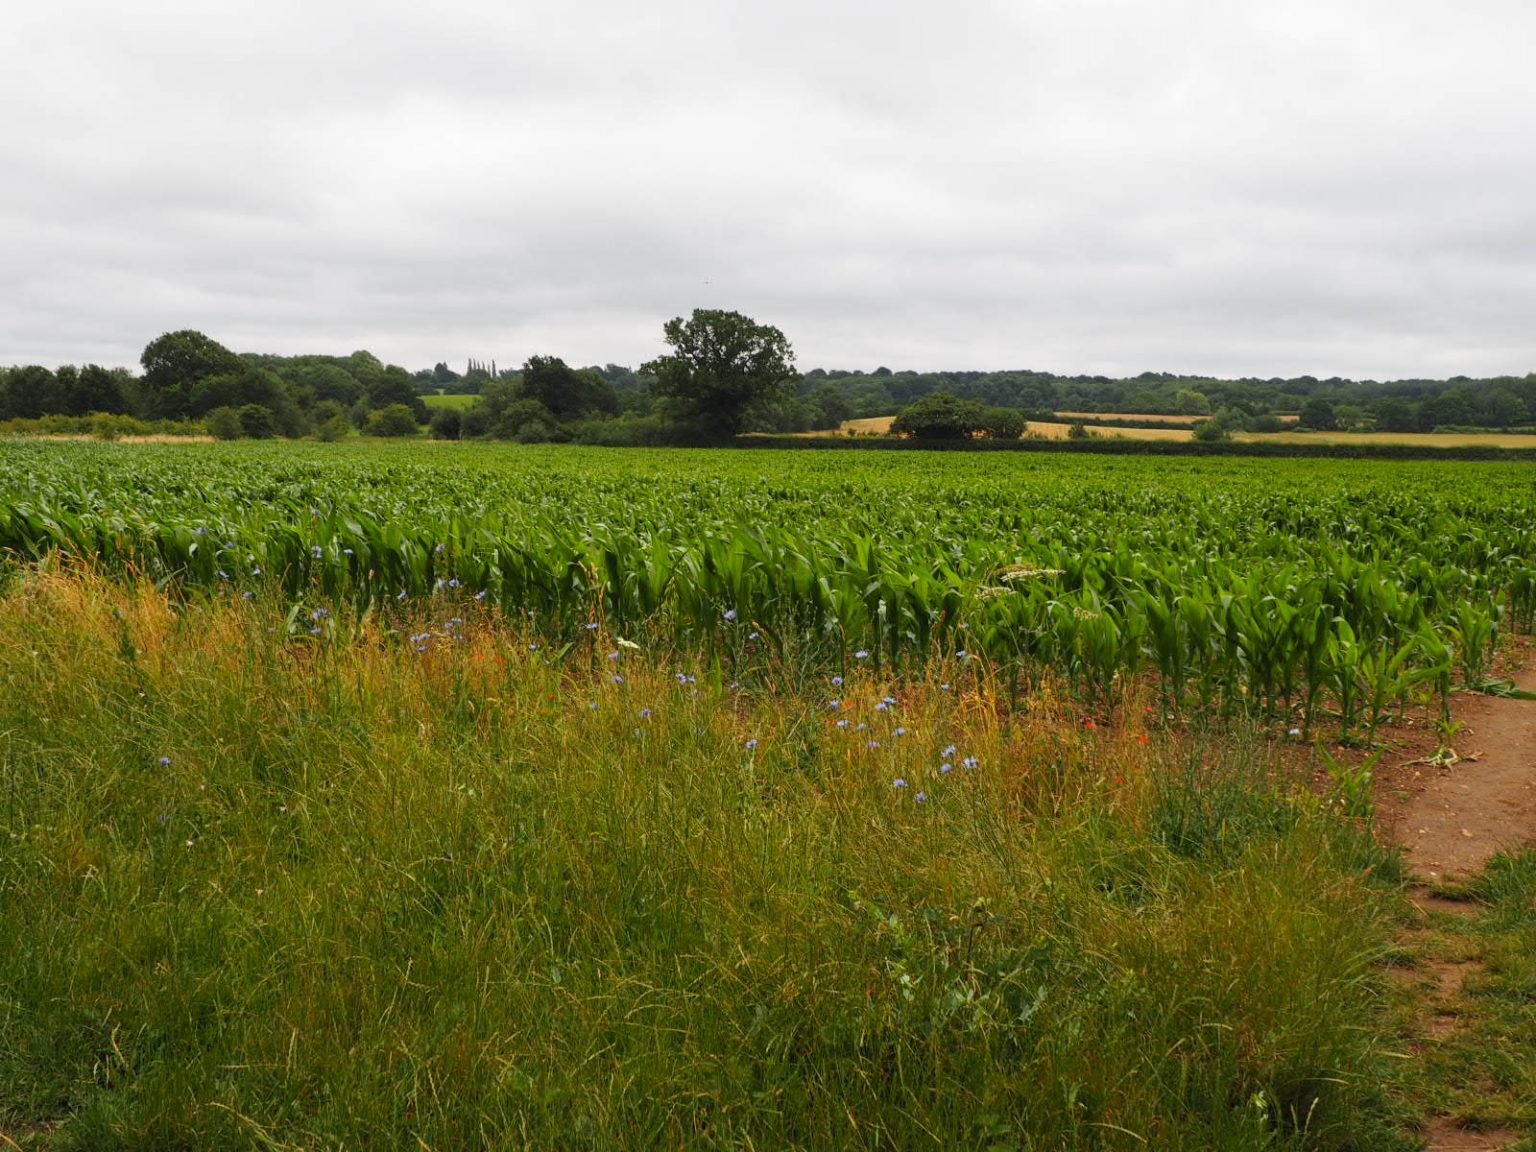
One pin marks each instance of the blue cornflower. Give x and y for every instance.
(920, 797)
(613, 655)
(316, 551)
(752, 743)
(643, 713)
(165, 761)
(730, 614)
(970, 762)
(949, 751)
(842, 723)
(837, 680)
(899, 732)
(861, 654)
(618, 679)
(899, 782)
(946, 768)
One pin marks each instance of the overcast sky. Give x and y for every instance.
(1236, 187)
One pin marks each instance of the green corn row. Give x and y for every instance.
(1279, 590)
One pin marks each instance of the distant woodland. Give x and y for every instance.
(726, 375)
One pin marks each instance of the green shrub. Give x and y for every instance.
(392, 420)
(224, 424)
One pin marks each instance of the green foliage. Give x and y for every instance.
(392, 420)
(565, 393)
(178, 367)
(1211, 432)
(721, 365)
(1003, 423)
(1318, 415)
(1282, 592)
(305, 878)
(940, 416)
(446, 423)
(1191, 402)
(224, 424)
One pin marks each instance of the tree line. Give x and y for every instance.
(724, 374)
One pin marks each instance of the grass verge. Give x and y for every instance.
(327, 883)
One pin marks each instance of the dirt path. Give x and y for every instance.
(1450, 816)
(1456, 816)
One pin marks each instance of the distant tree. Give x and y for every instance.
(224, 424)
(365, 368)
(245, 384)
(1003, 423)
(331, 421)
(31, 391)
(446, 423)
(98, 389)
(1211, 431)
(475, 422)
(392, 420)
(258, 421)
(394, 385)
(832, 405)
(1317, 414)
(721, 365)
(176, 364)
(566, 392)
(332, 382)
(523, 419)
(1192, 402)
(940, 416)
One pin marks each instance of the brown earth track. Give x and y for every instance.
(1450, 816)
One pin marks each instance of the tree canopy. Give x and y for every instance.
(721, 365)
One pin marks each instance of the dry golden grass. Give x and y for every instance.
(1423, 439)
(1160, 417)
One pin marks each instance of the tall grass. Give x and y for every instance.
(374, 888)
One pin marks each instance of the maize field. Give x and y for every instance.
(1283, 589)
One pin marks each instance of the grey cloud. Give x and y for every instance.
(1079, 185)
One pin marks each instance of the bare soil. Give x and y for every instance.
(1451, 813)
(1450, 816)
(1442, 1135)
